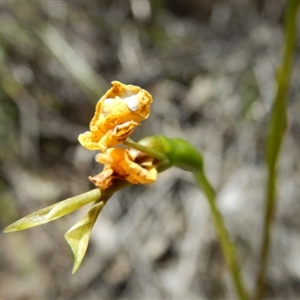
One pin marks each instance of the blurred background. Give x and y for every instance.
(210, 66)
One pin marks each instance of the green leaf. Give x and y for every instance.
(276, 133)
(54, 211)
(78, 236)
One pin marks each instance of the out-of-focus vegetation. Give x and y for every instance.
(276, 134)
(210, 67)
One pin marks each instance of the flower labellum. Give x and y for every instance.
(129, 165)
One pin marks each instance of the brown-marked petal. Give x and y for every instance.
(120, 163)
(118, 112)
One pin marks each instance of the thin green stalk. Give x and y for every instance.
(180, 153)
(276, 134)
(227, 246)
(150, 151)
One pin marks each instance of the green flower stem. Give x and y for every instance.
(276, 133)
(227, 246)
(179, 153)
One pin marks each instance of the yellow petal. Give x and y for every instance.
(117, 136)
(85, 139)
(142, 175)
(78, 236)
(118, 112)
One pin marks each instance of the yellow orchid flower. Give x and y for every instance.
(118, 112)
(130, 165)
